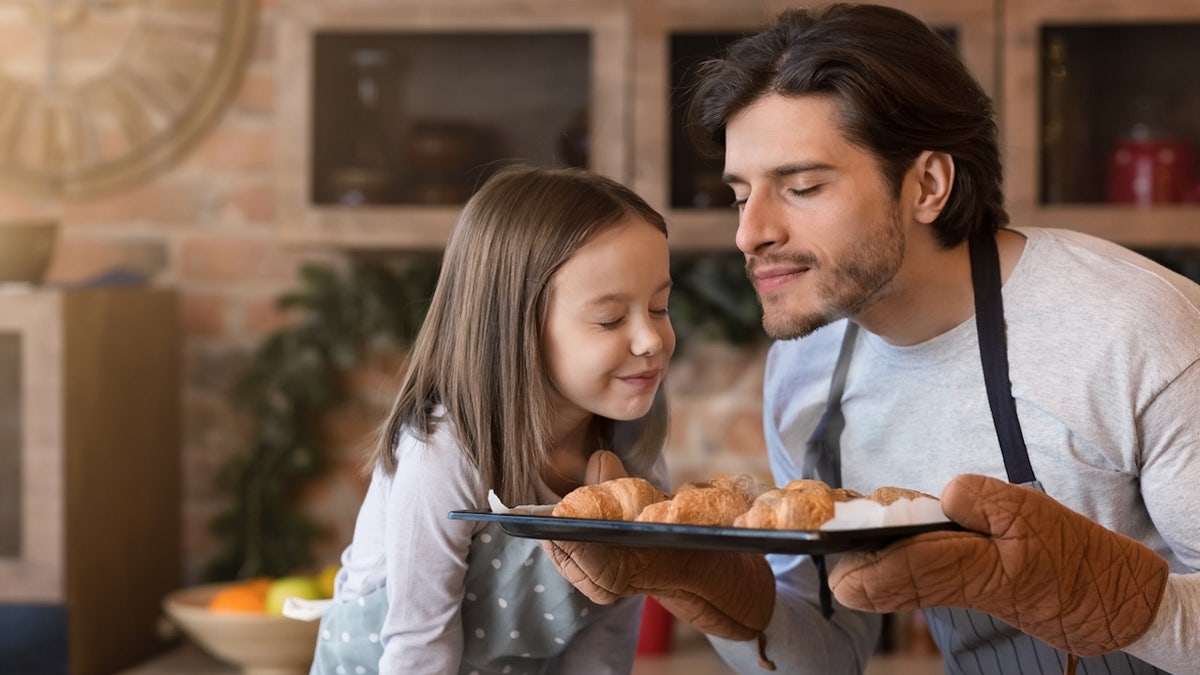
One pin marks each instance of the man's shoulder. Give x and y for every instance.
(1103, 270)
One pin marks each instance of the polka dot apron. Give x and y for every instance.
(518, 615)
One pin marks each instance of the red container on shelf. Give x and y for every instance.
(1153, 170)
(655, 633)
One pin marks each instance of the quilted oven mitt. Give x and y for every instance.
(726, 594)
(1028, 560)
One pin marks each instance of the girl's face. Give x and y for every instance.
(607, 338)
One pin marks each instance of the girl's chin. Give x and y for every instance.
(629, 413)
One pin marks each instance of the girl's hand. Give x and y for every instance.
(603, 465)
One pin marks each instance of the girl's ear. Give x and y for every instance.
(934, 172)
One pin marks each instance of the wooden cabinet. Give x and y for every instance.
(1064, 76)
(483, 78)
(1082, 77)
(89, 476)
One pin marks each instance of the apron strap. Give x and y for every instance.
(993, 352)
(822, 451)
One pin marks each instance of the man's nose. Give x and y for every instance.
(759, 225)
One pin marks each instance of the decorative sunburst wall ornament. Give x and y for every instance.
(97, 95)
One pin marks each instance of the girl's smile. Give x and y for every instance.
(644, 379)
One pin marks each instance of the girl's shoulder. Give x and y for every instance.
(437, 458)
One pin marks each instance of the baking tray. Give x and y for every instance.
(667, 535)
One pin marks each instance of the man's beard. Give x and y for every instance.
(844, 289)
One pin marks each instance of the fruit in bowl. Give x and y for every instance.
(281, 589)
(233, 622)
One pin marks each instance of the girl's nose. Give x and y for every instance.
(647, 340)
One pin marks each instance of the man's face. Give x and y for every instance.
(820, 227)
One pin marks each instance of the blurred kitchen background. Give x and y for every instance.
(219, 220)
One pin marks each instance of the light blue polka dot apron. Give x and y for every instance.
(518, 615)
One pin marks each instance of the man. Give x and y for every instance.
(1054, 416)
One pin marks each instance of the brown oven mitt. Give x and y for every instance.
(726, 594)
(1027, 560)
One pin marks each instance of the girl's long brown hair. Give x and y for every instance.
(478, 353)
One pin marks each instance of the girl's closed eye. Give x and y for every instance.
(804, 192)
(609, 325)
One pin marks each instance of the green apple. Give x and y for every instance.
(290, 587)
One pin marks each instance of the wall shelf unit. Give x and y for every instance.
(613, 89)
(1082, 79)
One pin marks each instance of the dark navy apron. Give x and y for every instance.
(972, 643)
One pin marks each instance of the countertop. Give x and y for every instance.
(690, 655)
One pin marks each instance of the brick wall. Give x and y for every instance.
(207, 227)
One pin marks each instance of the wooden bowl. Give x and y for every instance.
(259, 644)
(25, 249)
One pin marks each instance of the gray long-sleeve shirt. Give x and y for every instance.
(1103, 347)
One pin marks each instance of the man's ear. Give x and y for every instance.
(934, 173)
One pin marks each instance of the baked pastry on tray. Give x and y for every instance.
(725, 500)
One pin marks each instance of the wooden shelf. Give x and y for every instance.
(374, 227)
(1157, 227)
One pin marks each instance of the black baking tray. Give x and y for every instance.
(667, 535)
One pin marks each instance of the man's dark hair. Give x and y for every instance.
(900, 89)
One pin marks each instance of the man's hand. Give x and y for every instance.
(1028, 560)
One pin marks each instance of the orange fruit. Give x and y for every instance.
(245, 596)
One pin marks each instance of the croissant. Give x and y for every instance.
(838, 494)
(807, 484)
(617, 499)
(698, 506)
(887, 495)
(742, 483)
(784, 509)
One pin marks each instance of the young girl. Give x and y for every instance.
(547, 339)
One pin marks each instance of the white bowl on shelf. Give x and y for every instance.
(259, 644)
(26, 246)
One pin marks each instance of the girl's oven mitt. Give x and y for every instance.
(726, 594)
(1027, 560)
(722, 593)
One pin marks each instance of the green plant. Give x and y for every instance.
(290, 381)
(712, 300)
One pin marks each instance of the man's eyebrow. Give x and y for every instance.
(782, 171)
